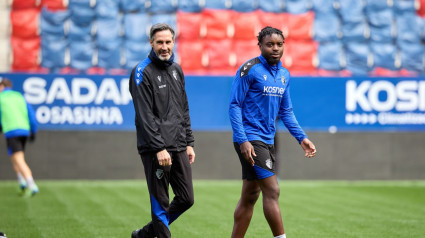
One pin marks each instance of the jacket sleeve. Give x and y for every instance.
(32, 119)
(287, 116)
(142, 94)
(238, 93)
(190, 139)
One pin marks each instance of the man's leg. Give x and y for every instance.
(270, 190)
(20, 166)
(181, 182)
(245, 207)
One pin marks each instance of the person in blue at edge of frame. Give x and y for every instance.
(18, 123)
(164, 135)
(260, 93)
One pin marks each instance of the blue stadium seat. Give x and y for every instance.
(169, 18)
(218, 4)
(135, 51)
(327, 26)
(109, 53)
(81, 53)
(80, 32)
(136, 26)
(244, 5)
(163, 6)
(355, 31)
(133, 6)
(324, 6)
(380, 19)
(107, 8)
(330, 55)
(408, 27)
(412, 56)
(404, 6)
(108, 28)
(358, 58)
(276, 6)
(82, 12)
(191, 5)
(298, 6)
(53, 53)
(351, 11)
(53, 23)
(384, 55)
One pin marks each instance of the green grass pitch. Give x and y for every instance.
(97, 209)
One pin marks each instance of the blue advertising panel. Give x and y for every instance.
(99, 102)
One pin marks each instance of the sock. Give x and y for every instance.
(31, 183)
(281, 236)
(21, 180)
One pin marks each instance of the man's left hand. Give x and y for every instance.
(309, 148)
(191, 154)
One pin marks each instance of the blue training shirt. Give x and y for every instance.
(260, 93)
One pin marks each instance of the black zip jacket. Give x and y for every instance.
(162, 111)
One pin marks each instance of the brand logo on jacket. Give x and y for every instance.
(159, 78)
(283, 80)
(265, 77)
(159, 173)
(175, 74)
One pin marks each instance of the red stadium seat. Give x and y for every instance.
(25, 22)
(300, 26)
(26, 53)
(221, 59)
(276, 20)
(189, 25)
(247, 25)
(22, 4)
(55, 4)
(245, 50)
(300, 57)
(421, 10)
(191, 56)
(217, 24)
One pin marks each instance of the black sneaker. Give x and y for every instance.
(135, 234)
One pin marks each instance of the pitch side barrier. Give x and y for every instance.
(349, 104)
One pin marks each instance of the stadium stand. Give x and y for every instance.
(367, 36)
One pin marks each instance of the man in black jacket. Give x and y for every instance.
(164, 136)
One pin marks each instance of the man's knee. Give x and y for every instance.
(271, 192)
(251, 197)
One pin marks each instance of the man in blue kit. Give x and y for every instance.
(260, 93)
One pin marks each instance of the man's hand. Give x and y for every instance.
(191, 154)
(247, 151)
(32, 137)
(309, 148)
(164, 158)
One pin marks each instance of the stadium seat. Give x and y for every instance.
(300, 26)
(107, 8)
(95, 70)
(330, 55)
(351, 11)
(217, 24)
(53, 23)
(108, 28)
(298, 6)
(25, 53)
(355, 31)
(80, 32)
(191, 5)
(218, 4)
(53, 53)
(135, 51)
(326, 27)
(81, 54)
(412, 56)
(383, 72)
(384, 55)
(136, 26)
(300, 57)
(421, 9)
(163, 6)
(24, 4)
(221, 59)
(82, 12)
(380, 19)
(55, 4)
(408, 27)
(192, 57)
(245, 50)
(359, 59)
(324, 6)
(247, 25)
(405, 6)
(169, 18)
(133, 6)
(276, 6)
(5, 29)
(109, 53)
(244, 5)
(189, 25)
(277, 20)
(5, 54)
(25, 22)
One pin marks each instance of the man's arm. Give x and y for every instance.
(238, 93)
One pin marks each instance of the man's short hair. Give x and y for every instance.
(160, 27)
(267, 31)
(5, 82)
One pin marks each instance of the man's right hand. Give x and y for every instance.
(164, 158)
(247, 151)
